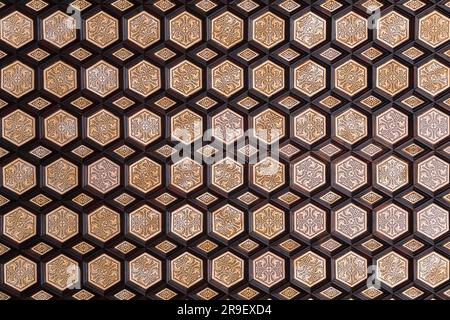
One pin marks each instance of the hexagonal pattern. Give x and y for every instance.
(186, 126)
(350, 221)
(392, 269)
(392, 29)
(268, 30)
(144, 223)
(103, 127)
(433, 125)
(391, 221)
(433, 269)
(19, 225)
(227, 174)
(392, 77)
(310, 78)
(268, 221)
(392, 126)
(433, 77)
(227, 126)
(433, 173)
(186, 175)
(392, 173)
(61, 224)
(227, 29)
(309, 269)
(16, 29)
(103, 224)
(61, 176)
(432, 221)
(143, 29)
(144, 78)
(351, 30)
(227, 269)
(19, 176)
(350, 77)
(350, 173)
(186, 222)
(20, 273)
(309, 174)
(310, 30)
(227, 78)
(103, 272)
(185, 78)
(17, 79)
(101, 29)
(351, 126)
(269, 126)
(185, 29)
(145, 175)
(59, 29)
(62, 272)
(145, 271)
(103, 175)
(144, 127)
(102, 78)
(351, 269)
(186, 270)
(310, 221)
(267, 78)
(61, 128)
(268, 174)
(18, 127)
(227, 222)
(434, 29)
(268, 269)
(310, 126)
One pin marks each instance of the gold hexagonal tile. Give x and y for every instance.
(392, 29)
(309, 78)
(103, 223)
(268, 269)
(392, 173)
(227, 126)
(62, 272)
(185, 78)
(143, 29)
(145, 271)
(19, 176)
(392, 269)
(268, 174)
(309, 221)
(59, 29)
(186, 270)
(18, 127)
(61, 127)
(186, 175)
(144, 175)
(432, 221)
(268, 78)
(269, 126)
(103, 175)
(391, 221)
(391, 126)
(309, 269)
(434, 29)
(17, 79)
(61, 176)
(433, 77)
(392, 77)
(351, 126)
(144, 78)
(310, 126)
(227, 269)
(19, 225)
(433, 269)
(186, 222)
(144, 223)
(308, 174)
(103, 127)
(20, 273)
(350, 221)
(16, 29)
(350, 173)
(351, 29)
(350, 77)
(433, 173)
(185, 30)
(101, 29)
(267, 30)
(310, 30)
(227, 78)
(227, 29)
(144, 127)
(351, 269)
(102, 78)
(433, 125)
(61, 224)
(268, 221)
(227, 222)
(60, 79)
(227, 174)
(186, 126)
(103, 272)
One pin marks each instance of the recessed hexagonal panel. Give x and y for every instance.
(144, 78)
(227, 174)
(433, 77)
(433, 173)
(61, 128)
(16, 29)
(61, 176)
(103, 175)
(392, 173)
(392, 269)
(103, 272)
(103, 224)
(186, 270)
(392, 77)
(310, 221)
(268, 30)
(61, 224)
(269, 126)
(186, 126)
(434, 29)
(227, 269)
(185, 78)
(185, 30)
(102, 78)
(433, 125)
(350, 221)
(59, 29)
(227, 29)
(433, 269)
(267, 78)
(186, 175)
(350, 173)
(227, 78)
(17, 79)
(143, 29)
(144, 223)
(62, 272)
(268, 221)
(310, 78)
(103, 127)
(19, 225)
(392, 126)
(392, 29)
(351, 126)
(19, 176)
(432, 221)
(144, 127)
(20, 273)
(227, 126)
(268, 269)
(268, 174)
(144, 175)
(227, 222)
(101, 29)
(350, 77)
(145, 271)
(351, 29)
(310, 30)
(351, 269)
(391, 221)
(309, 269)
(309, 174)
(186, 222)
(18, 127)
(310, 126)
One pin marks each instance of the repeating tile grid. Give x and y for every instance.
(331, 119)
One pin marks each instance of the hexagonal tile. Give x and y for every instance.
(227, 126)
(143, 29)
(227, 29)
(19, 176)
(267, 78)
(392, 269)
(186, 175)
(185, 78)
(310, 78)
(18, 127)
(227, 222)
(309, 174)
(434, 29)
(186, 270)
(227, 78)
(432, 221)
(391, 126)
(351, 29)
(350, 221)
(20, 273)
(227, 174)
(59, 29)
(310, 126)
(269, 126)
(103, 224)
(144, 127)
(61, 224)
(103, 272)
(392, 29)
(433, 269)
(350, 77)
(16, 29)
(227, 269)
(392, 173)
(433, 77)
(433, 173)
(102, 78)
(145, 271)
(103, 127)
(186, 222)
(186, 126)
(433, 125)
(103, 175)
(267, 29)
(350, 173)
(392, 77)
(268, 174)
(61, 127)
(309, 269)
(310, 221)
(62, 272)
(351, 269)
(101, 29)
(185, 30)
(144, 175)
(268, 221)
(391, 221)
(19, 225)
(310, 30)
(144, 223)
(268, 269)
(61, 176)
(17, 79)
(144, 78)
(351, 126)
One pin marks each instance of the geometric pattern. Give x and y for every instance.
(207, 149)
